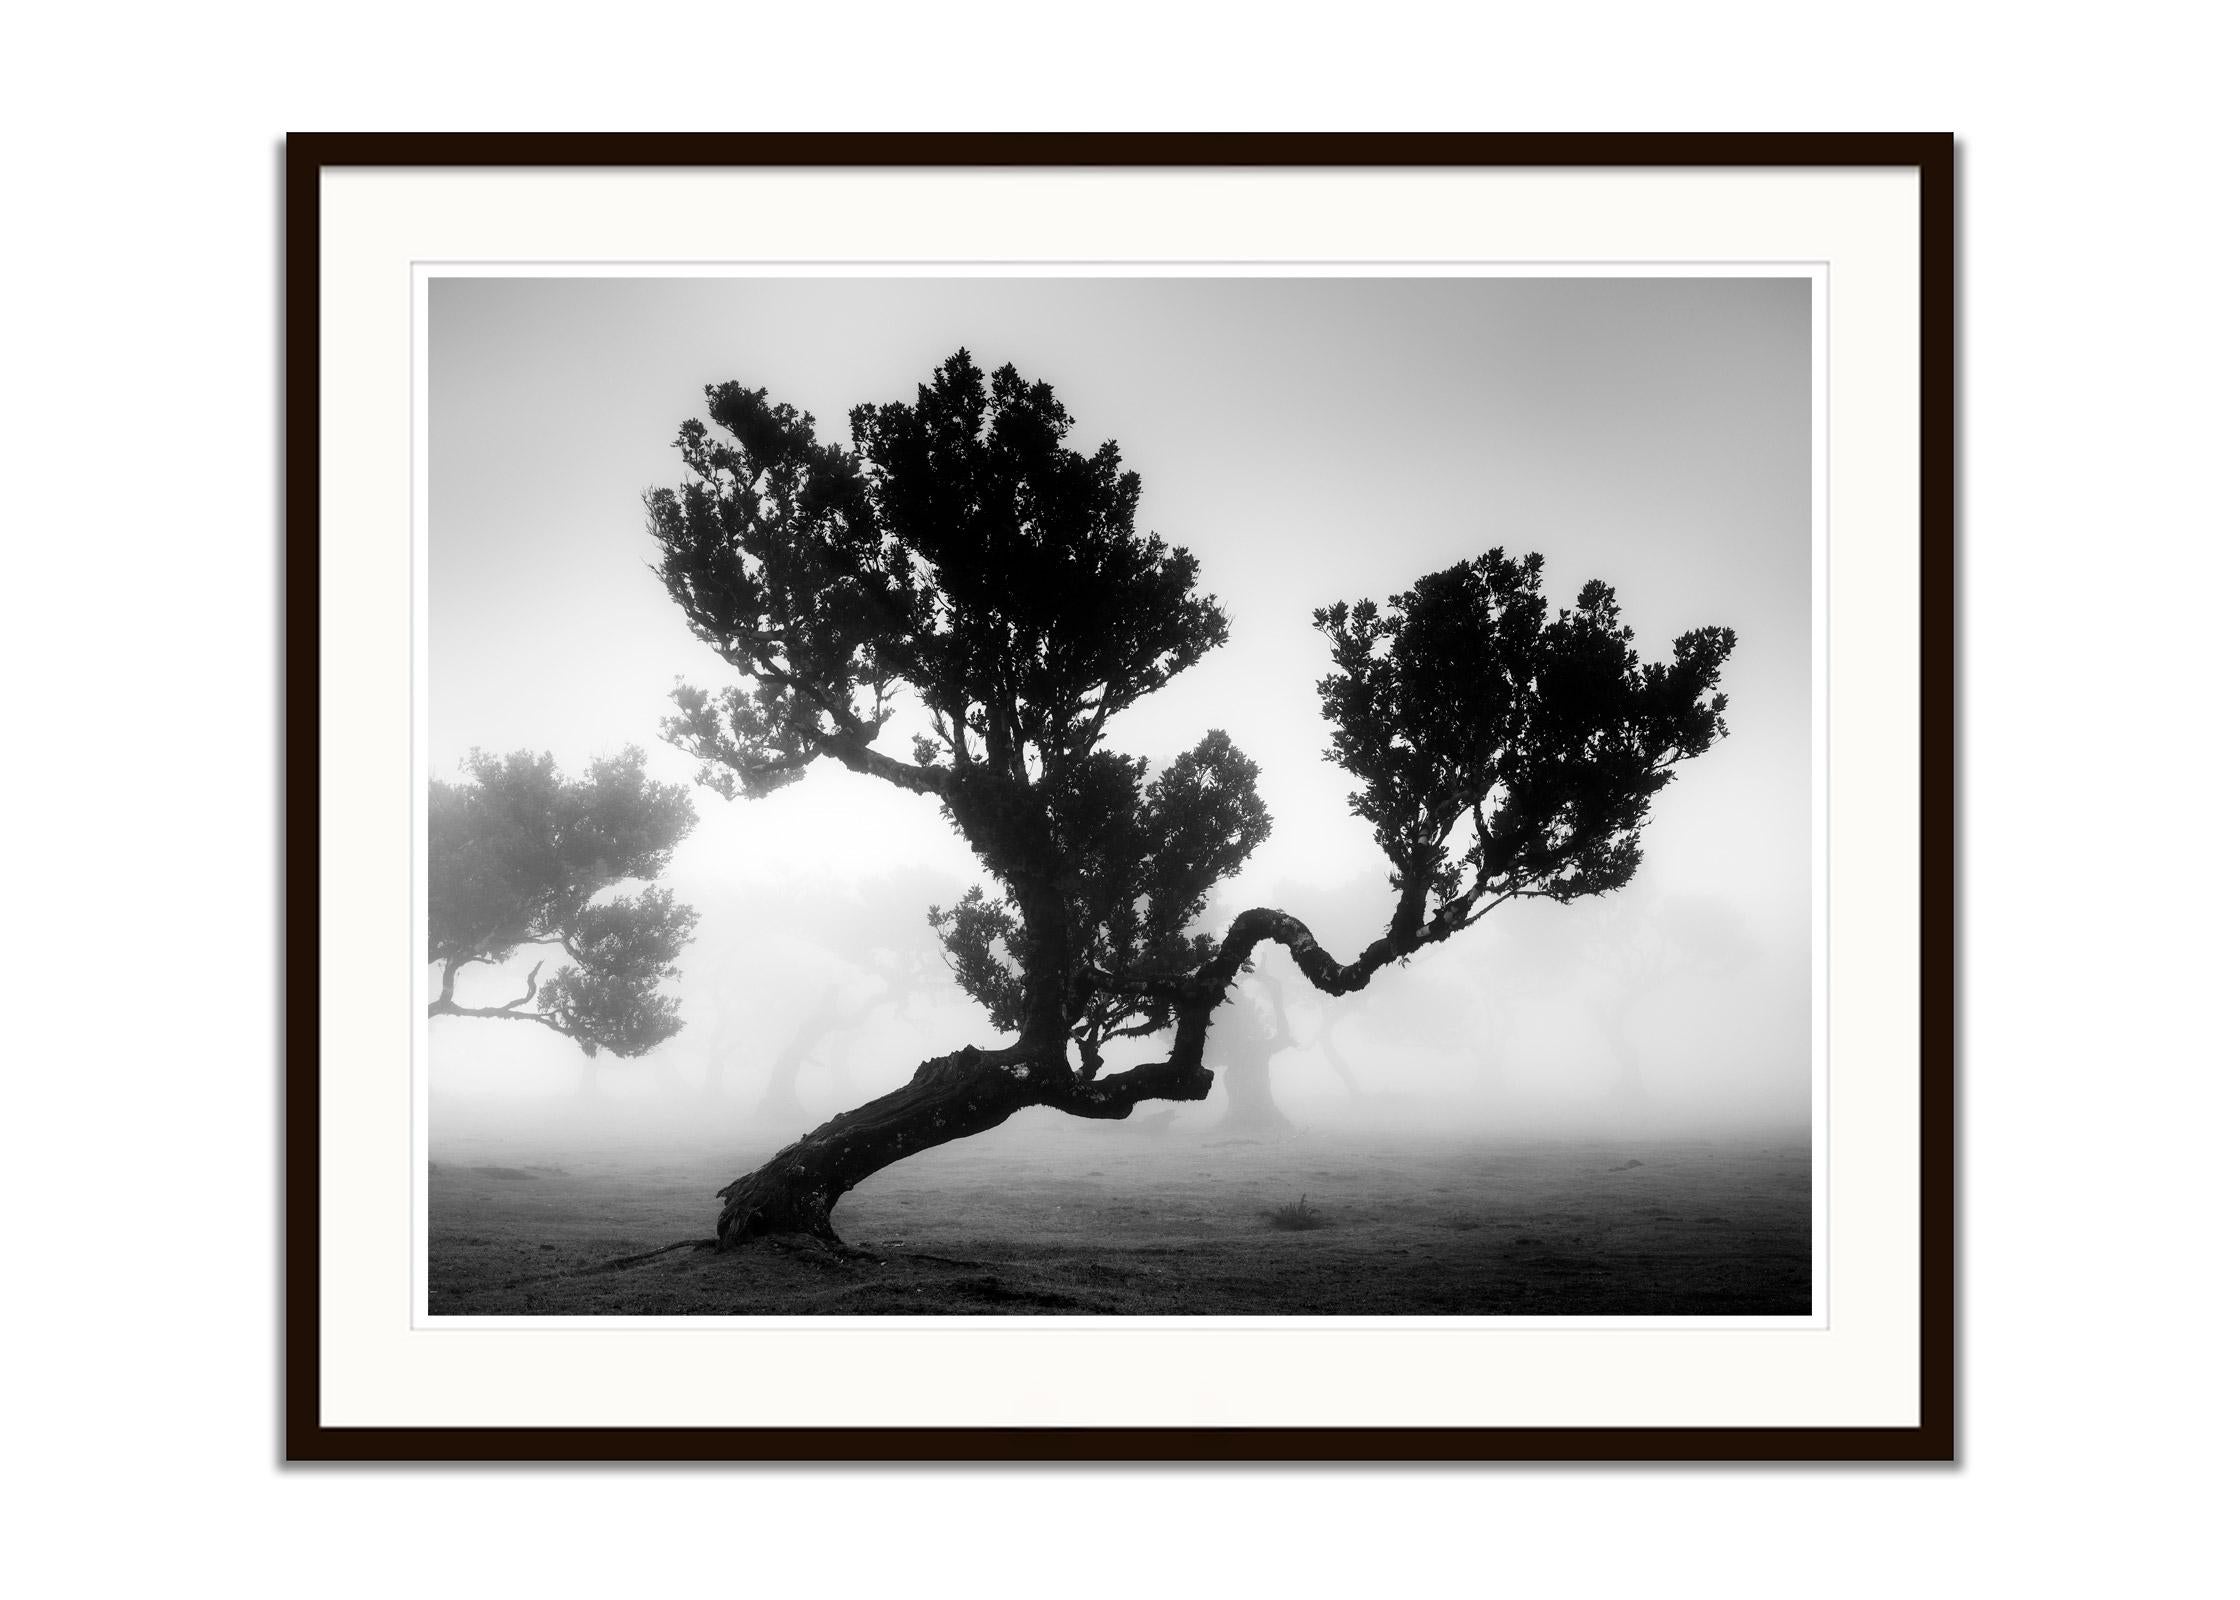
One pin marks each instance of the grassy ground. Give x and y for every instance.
(1053, 1217)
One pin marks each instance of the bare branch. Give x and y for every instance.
(446, 1008)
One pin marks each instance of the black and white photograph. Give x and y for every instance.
(1150, 794)
(1164, 800)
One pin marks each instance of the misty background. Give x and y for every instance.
(1309, 440)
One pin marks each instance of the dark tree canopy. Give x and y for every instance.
(519, 854)
(962, 552)
(962, 563)
(1144, 858)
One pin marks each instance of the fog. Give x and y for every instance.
(1309, 440)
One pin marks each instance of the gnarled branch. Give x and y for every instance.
(444, 1006)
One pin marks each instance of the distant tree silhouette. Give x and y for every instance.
(962, 563)
(1675, 942)
(788, 974)
(1327, 1042)
(1244, 1042)
(519, 855)
(781, 1091)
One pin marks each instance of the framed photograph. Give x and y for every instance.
(1130, 797)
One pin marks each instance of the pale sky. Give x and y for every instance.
(1309, 439)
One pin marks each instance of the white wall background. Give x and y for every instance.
(139, 420)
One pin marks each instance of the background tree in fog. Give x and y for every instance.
(962, 564)
(1639, 951)
(879, 959)
(521, 855)
(1246, 1037)
(798, 975)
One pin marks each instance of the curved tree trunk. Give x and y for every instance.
(1246, 1080)
(972, 1090)
(948, 1097)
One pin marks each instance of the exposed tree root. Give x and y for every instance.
(615, 1265)
(816, 1246)
(619, 1262)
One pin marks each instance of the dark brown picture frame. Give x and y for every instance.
(308, 156)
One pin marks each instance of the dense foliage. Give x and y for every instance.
(519, 854)
(1501, 750)
(961, 554)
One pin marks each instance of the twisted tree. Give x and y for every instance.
(961, 562)
(519, 854)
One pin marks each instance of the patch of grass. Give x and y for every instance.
(1011, 1224)
(1297, 1217)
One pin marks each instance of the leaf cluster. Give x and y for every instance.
(1146, 854)
(1503, 749)
(958, 548)
(625, 949)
